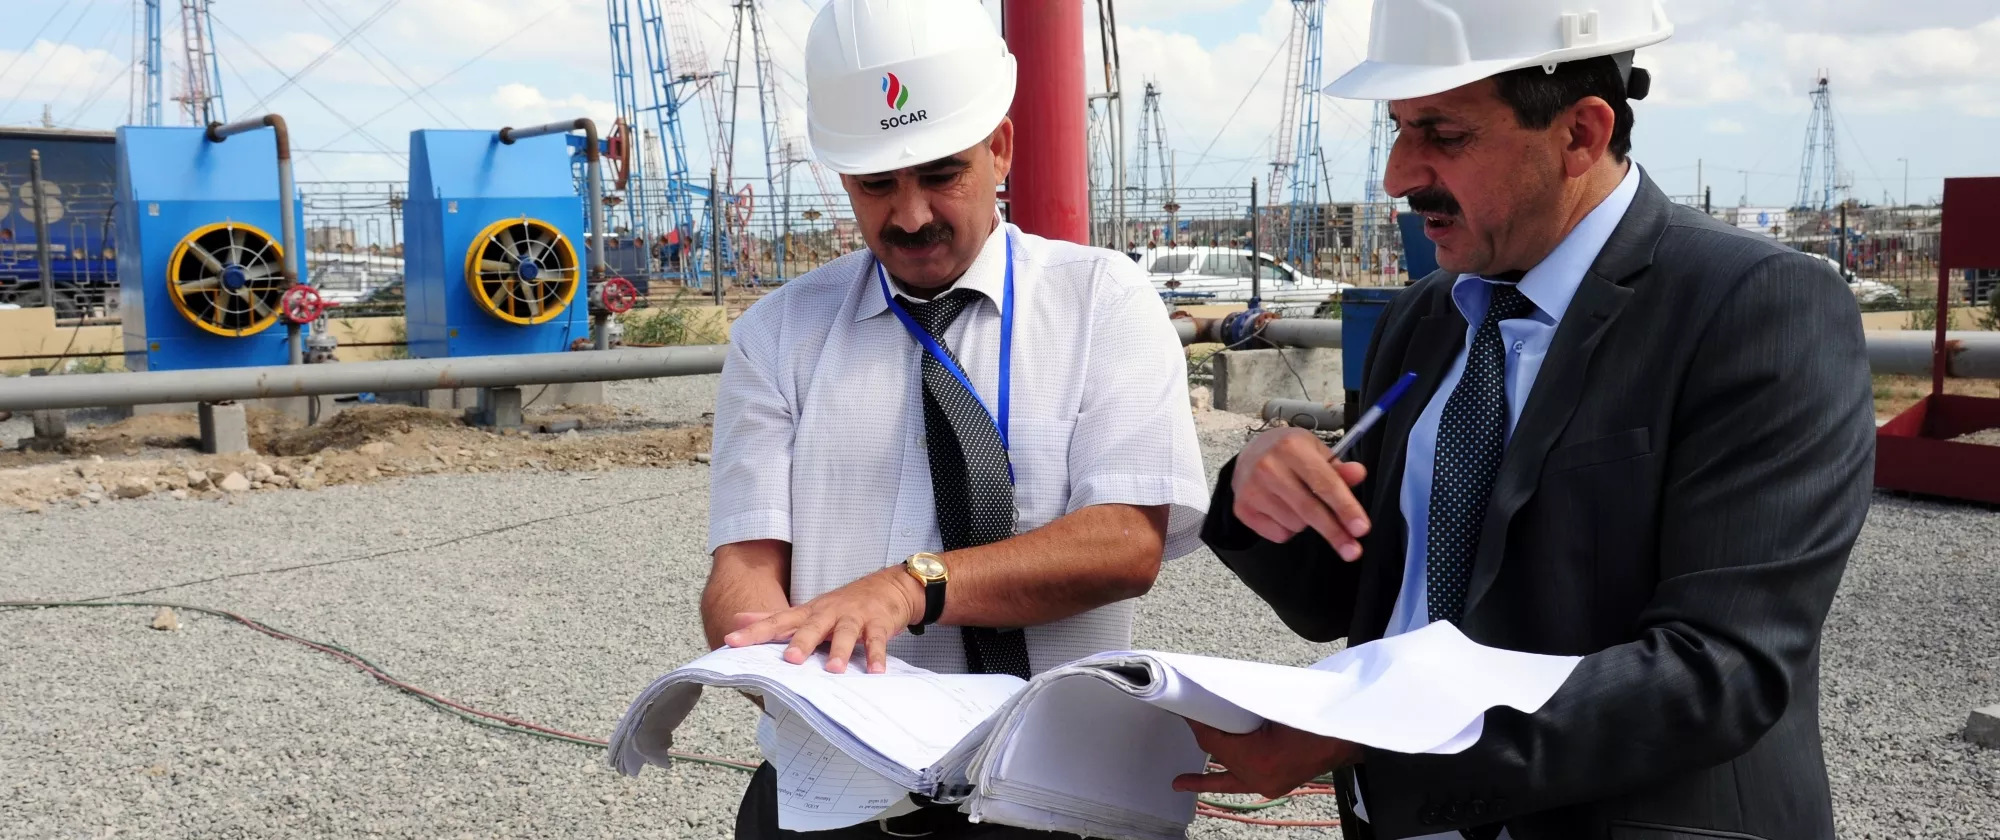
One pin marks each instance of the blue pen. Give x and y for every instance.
(1374, 414)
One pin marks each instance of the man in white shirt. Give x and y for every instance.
(965, 426)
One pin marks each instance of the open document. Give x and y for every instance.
(1090, 747)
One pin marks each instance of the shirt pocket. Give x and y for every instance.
(1039, 450)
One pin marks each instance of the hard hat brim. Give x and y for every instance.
(1385, 82)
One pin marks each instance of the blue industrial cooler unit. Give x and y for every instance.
(493, 246)
(200, 250)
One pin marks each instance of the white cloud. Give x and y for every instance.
(1901, 71)
(1699, 73)
(1722, 125)
(526, 104)
(59, 74)
(1152, 11)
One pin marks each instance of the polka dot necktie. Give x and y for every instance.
(1470, 440)
(969, 483)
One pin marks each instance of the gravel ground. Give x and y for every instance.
(556, 597)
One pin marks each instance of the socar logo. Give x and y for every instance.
(894, 92)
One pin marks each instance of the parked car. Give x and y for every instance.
(1868, 292)
(1222, 275)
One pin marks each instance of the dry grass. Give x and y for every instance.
(1895, 394)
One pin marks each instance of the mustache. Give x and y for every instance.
(1435, 200)
(931, 234)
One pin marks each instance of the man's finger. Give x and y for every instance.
(806, 639)
(1268, 498)
(877, 640)
(745, 619)
(846, 632)
(1332, 487)
(1313, 513)
(1264, 526)
(768, 629)
(1224, 782)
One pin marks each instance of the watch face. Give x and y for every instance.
(927, 566)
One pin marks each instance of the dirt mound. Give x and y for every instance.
(362, 444)
(357, 426)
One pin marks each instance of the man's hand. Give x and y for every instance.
(868, 611)
(1286, 482)
(1272, 761)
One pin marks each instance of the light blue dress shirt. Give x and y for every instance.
(1550, 286)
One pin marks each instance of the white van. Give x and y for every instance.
(1201, 274)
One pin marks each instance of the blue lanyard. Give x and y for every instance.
(937, 352)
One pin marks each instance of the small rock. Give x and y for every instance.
(278, 481)
(465, 453)
(317, 460)
(402, 532)
(133, 488)
(285, 469)
(166, 620)
(234, 483)
(306, 472)
(489, 454)
(570, 435)
(31, 507)
(310, 483)
(197, 479)
(93, 487)
(179, 495)
(262, 472)
(1200, 398)
(82, 503)
(93, 497)
(701, 457)
(97, 459)
(82, 471)
(374, 448)
(213, 495)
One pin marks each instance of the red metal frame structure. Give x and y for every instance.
(1915, 452)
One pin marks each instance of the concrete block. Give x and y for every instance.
(499, 408)
(51, 425)
(1983, 727)
(1246, 379)
(224, 428)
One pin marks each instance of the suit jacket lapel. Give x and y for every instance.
(1599, 299)
(1437, 340)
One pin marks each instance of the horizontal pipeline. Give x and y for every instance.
(276, 382)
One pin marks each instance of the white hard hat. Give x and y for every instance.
(896, 83)
(1424, 47)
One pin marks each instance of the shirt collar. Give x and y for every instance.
(987, 275)
(1552, 284)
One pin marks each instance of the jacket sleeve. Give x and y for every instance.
(1309, 586)
(1766, 482)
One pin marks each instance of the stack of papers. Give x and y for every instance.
(1090, 747)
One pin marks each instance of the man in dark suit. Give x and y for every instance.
(1638, 436)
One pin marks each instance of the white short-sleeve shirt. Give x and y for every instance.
(819, 422)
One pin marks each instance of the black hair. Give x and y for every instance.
(1538, 96)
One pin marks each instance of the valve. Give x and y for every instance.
(616, 296)
(303, 305)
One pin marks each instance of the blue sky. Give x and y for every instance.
(1912, 80)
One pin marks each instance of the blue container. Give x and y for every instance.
(510, 215)
(1359, 310)
(1419, 252)
(199, 249)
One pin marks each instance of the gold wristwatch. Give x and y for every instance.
(929, 570)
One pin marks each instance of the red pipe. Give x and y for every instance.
(1049, 188)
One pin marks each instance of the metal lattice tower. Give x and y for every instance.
(152, 94)
(1301, 220)
(1372, 217)
(660, 193)
(1153, 159)
(747, 12)
(201, 79)
(1820, 161)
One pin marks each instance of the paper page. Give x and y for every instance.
(820, 787)
(909, 716)
(1082, 742)
(1418, 692)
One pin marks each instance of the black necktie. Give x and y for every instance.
(969, 482)
(1471, 438)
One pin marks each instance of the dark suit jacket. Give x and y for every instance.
(1676, 505)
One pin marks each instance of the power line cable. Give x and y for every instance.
(59, 42)
(333, 19)
(32, 39)
(1226, 121)
(454, 71)
(372, 139)
(352, 33)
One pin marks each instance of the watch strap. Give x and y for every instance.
(933, 606)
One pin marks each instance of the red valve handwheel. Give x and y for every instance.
(303, 305)
(618, 295)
